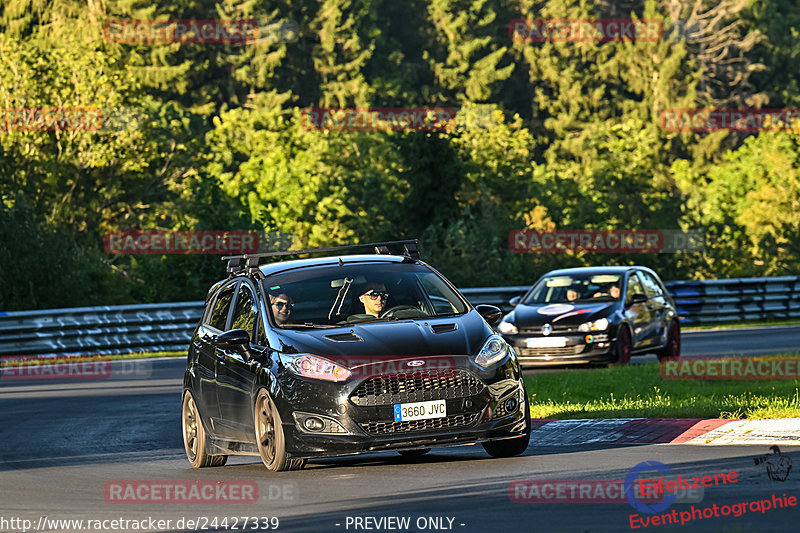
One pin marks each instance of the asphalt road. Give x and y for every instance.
(747, 341)
(64, 442)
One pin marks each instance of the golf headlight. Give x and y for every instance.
(597, 325)
(494, 350)
(507, 328)
(315, 367)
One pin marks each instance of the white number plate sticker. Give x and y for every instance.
(546, 342)
(419, 410)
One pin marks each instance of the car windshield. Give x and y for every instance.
(333, 295)
(575, 288)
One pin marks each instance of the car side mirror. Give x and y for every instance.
(490, 313)
(235, 338)
(513, 302)
(638, 298)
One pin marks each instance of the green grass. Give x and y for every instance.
(640, 391)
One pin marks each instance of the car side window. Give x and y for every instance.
(222, 304)
(651, 287)
(634, 287)
(245, 312)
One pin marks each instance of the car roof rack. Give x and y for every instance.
(410, 249)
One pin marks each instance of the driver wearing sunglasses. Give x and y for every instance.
(281, 308)
(374, 299)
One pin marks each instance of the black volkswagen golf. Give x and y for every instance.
(343, 355)
(593, 315)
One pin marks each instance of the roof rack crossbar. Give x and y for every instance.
(410, 246)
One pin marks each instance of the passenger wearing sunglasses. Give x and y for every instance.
(374, 299)
(281, 307)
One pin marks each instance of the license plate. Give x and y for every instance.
(419, 410)
(546, 342)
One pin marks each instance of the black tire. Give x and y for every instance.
(515, 446)
(623, 347)
(673, 347)
(270, 438)
(413, 454)
(194, 436)
(219, 460)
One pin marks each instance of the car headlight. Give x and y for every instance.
(494, 350)
(508, 328)
(597, 325)
(315, 367)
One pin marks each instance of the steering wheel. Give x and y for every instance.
(392, 311)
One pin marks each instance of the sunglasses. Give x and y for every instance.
(280, 304)
(378, 294)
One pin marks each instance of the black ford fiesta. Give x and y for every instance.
(344, 355)
(593, 315)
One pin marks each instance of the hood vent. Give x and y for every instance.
(444, 328)
(344, 337)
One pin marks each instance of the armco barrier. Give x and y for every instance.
(168, 326)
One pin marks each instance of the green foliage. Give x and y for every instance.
(549, 135)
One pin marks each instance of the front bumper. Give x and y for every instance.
(578, 348)
(358, 415)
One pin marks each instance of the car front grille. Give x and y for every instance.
(537, 330)
(417, 386)
(540, 352)
(410, 426)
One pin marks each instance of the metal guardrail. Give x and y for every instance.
(168, 326)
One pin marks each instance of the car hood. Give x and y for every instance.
(525, 315)
(463, 335)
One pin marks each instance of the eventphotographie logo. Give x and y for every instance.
(776, 464)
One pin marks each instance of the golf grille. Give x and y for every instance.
(539, 352)
(417, 386)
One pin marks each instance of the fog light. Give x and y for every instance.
(313, 423)
(511, 405)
